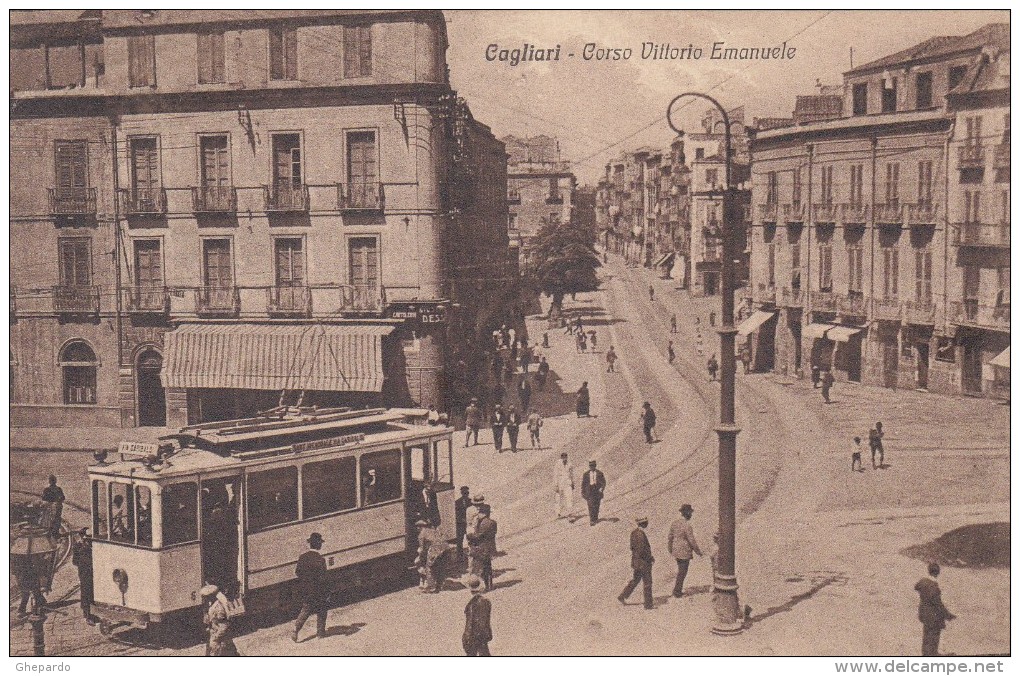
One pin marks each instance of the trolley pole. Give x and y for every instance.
(729, 618)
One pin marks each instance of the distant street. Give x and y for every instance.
(819, 549)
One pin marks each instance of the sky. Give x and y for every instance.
(598, 109)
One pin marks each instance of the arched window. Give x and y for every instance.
(79, 364)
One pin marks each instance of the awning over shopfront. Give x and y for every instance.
(754, 322)
(331, 357)
(842, 334)
(664, 259)
(1001, 360)
(816, 330)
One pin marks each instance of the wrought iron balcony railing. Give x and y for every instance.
(855, 212)
(972, 313)
(289, 300)
(923, 213)
(794, 213)
(217, 300)
(823, 301)
(889, 214)
(890, 309)
(853, 304)
(826, 213)
(147, 299)
(77, 300)
(982, 234)
(361, 197)
(766, 293)
(919, 311)
(1001, 158)
(214, 199)
(768, 212)
(285, 197)
(143, 201)
(791, 297)
(72, 201)
(362, 298)
(972, 156)
(514, 196)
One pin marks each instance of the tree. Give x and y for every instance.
(564, 261)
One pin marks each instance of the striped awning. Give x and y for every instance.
(816, 330)
(332, 357)
(1001, 360)
(754, 322)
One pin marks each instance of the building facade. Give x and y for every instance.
(221, 211)
(854, 265)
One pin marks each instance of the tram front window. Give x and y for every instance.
(99, 515)
(122, 513)
(380, 477)
(180, 513)
(272, 497)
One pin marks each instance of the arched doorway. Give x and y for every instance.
(151, 397)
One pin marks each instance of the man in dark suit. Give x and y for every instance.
(460, 508)
(430, 504)
(477, 625)
(641, 560)
(593, 487)
(311, 580)
(931, 611)
(483, 546)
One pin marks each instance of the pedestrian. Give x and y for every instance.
(682, 545)
(477, 621)
(672, 323)
(545, 339)
(582, 342)
(700, 345)
(535, 428)
(648, 422)
(311, 583)
(711, 318)
(713, 555)
(472, 422)
(745, 359)
(524, 392)
(671, 352)
(932, 613)
(578, 325)
(713, 367)
(542, 374)
(525, 359)
(594, 340)
(563, 480)
(460, 509)
(641, 561)
(430, 504)
(875, 441)
(583, 401)
(53, 496)
(431, 549)
(569, 327)
(827, 383)
(593, 488)
(816, 376)
(81, 557)
(651, 292)
(855, 456)
(217, 622)
(29, 581)
(611, 360)
(497, 421)
(483, 546)
(513, 427)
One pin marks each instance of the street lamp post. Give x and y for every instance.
(729, 617)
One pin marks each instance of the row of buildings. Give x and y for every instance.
(215, 212)
(663, 207)
(880, 243)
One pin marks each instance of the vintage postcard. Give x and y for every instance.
(526, 333)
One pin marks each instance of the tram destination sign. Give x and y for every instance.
(137, 448)
(419, 312)
(332, 442)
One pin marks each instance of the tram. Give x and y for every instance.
(234, 502)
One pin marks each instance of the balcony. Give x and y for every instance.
(823, 301)
(971, 313)
(513, 196)
(1001, 157)
(826, 213)
(147, 300)
(217, 300)
(972, 156)
(362, 298)
(214, 199)
(285, 198)
(855, 212)
(766, 293)
(72, 201)
(768, 212)
(982, 235)
(889, 214)
(924, 213)
(853, 304)
(791, 297)
(289, 301)
(794, 213)
(919, 311)
(887, 309)
(76, 300)
(360, 197)
(143, 201)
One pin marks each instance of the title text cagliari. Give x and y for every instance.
(648, 51)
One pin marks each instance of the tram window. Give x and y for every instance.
(99, 514)
(122, 513)
(180, 513)
(442, 461)
(380, 477)
(420, 471)
(329, 486)
(143, 498)
(272, 497)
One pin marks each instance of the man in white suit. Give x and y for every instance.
(563, 478)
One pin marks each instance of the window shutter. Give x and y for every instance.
(351, 67)
(204, 58)
(365, 55)
(275, 55)
(290, 52)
